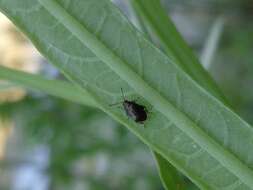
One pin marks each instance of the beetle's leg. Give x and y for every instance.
(149, 111)
(146, 110)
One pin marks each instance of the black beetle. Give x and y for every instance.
(133, 110)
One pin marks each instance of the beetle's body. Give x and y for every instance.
(135, 111)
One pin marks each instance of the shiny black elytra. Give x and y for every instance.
(135, 111)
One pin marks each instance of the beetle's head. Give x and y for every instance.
(127, 103)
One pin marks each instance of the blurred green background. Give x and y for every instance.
(51, 144)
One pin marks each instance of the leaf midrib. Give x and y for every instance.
(227, 159)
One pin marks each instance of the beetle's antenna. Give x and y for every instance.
(122, 94)
(115, 104)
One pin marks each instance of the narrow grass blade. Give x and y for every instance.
(212, 42)
(52, 87)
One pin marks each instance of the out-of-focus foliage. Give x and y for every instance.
(233, 67)
(86, 147)
(6, 127)
(18, 54)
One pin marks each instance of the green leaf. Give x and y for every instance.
(97, 48)
(52, 87)
(169, 176)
